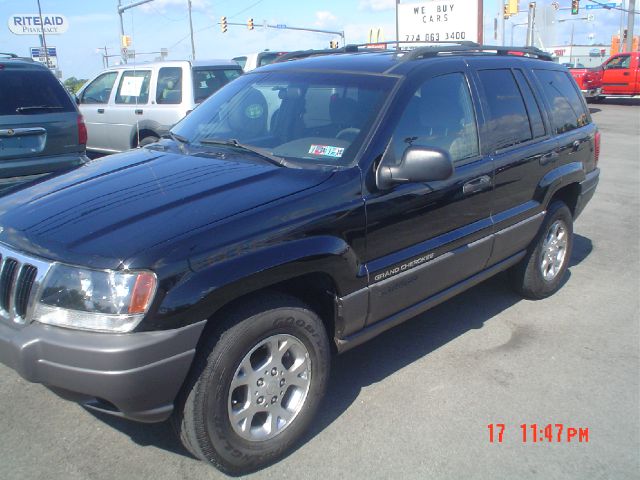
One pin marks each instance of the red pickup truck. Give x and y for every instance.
(619, 75)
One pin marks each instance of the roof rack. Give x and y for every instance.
(430, 49)
(313, 53)
(470, 47)
(10, 55)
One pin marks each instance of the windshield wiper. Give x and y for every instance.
(37, 107)
(182, 141)
(178, 138)
(232, 142)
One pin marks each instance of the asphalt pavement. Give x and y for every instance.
(416, 402)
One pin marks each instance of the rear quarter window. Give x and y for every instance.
(568, 111)
(26, 88)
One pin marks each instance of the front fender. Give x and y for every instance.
(217, 280)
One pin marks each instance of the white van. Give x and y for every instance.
(134, 105)
(252, 61)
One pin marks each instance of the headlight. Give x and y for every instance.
(107, 301)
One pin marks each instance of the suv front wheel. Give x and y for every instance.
(255, 385)
(541, 272)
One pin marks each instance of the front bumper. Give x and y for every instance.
(135, 375)
(587, 189)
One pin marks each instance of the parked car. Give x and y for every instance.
(589, 81)
(259, 59)
(617, 76)
(134, 105)
(41, 130)
(302, 210)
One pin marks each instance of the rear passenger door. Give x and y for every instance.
(570, 119)
(130, 102)
(424, 237)
(523, 150)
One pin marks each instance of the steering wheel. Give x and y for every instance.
(349, 134)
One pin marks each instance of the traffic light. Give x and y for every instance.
(125, 41)
(575, 7)
(333, 44)
(513, 7)
(223, 24)
(250, 24)
(505, 12)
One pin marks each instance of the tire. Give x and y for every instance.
(148, 141)
(537, 277)
(226, 383)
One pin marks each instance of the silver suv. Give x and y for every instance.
(134, 105)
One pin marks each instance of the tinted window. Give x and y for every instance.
(20, 90)
(134, 87)
(567, 109)
(508, 123)
(169, 87)
(99, 90)
(267, 58)
(242, 61)
(440, 114)
(533, 109)
(207, 81)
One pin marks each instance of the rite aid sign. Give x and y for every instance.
(30, 24)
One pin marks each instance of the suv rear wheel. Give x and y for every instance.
(255, 386)
(541, 272)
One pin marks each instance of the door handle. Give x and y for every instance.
(101, 110)
(626, 74)
(138, 111)
(476, 185)
(549, 157)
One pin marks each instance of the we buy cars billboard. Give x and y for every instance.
(440, 21)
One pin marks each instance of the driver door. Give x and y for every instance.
(617, 76)
(94, 106)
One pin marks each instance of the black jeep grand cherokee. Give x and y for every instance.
(300, 211)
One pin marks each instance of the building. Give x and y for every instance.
(586, 55)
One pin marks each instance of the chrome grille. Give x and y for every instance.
(20, 278)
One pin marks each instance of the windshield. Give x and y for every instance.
(310, 118)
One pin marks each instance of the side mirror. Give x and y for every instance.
(419, 164)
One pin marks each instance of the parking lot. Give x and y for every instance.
(416, 402)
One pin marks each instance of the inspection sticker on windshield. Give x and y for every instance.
(326, 150)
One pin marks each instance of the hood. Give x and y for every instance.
(106, 211)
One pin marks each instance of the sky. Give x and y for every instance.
(94, 24)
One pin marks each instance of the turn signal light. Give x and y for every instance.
(143, 291)
(597, 146)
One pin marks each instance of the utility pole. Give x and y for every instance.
(531, 24)
(630, 20)
(397, 28)
(121, 10)
(193, 46)
(43, 38)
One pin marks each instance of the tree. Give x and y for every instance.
(73, 84)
